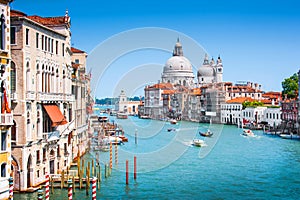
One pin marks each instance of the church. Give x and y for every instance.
(173, 95)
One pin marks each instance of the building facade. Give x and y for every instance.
(43, 100)
(80, 91)
(5, 92)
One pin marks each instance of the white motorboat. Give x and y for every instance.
(173, 121)
(198, 142)
(248, 132)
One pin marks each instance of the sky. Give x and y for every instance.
(257, 40)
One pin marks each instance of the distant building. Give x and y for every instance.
(126, 106)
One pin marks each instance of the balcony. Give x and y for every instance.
(30, 95)
(6, 119)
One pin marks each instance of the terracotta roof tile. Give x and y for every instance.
(48, 21)
(240, 100)
(75, 50)
(16, 13)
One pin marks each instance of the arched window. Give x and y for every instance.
(3, 170)
(13, 77)
(28, 77)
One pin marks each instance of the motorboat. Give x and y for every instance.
(115, 140)
(198, 142)
(122, 115)
(145, 117)
(248, 132)
(103, 119)
(206, 134)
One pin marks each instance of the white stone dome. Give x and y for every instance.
(178, 63)
(206, 71)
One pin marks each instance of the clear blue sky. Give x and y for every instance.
(258, 40)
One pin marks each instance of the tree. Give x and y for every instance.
(252, 104)
(290, 86)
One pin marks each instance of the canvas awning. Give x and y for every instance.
(55, 115)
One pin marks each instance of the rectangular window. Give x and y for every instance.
(42, 42)
(52, 45)
(65, 148)
(37, 40)
(56, 46)
(63, 49)
(46, 40)
(58, 151)
(3, 140)
(13, 35)
(38, 157)
(49, 44)
(77, 61)
(27, 36)
(44, 154)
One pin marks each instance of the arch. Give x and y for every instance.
(3, 169)
(15, 172)
(2, 32)
(29, 172)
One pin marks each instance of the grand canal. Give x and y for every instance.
(231, 166)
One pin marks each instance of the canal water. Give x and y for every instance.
(231, 166)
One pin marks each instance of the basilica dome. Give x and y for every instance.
(177, 63)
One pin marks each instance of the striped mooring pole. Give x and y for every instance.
(70, 192)
(47, 196)
(110, 155)
(94, 188)
(11, 188)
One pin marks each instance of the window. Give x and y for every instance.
(13, 79)
(38, 173)
(3, 140)
(65, 148)
(46, 40)
(58, 151)
(63, 49)
(27, 36)
(38, 160)
(77, 61)
(37, 40)
(42, 42)
(44, 154)
(13, 35)
(3, 170)
(56, 47)
(2, 32)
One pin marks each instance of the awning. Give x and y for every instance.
(55, 115)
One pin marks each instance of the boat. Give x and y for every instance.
(145, 117)
(289, 136)
(206, 134)
(123, 138)
(103, 119)
(173, 121)
(248, 132)
(115, 140)
(122, 116)
(171, 129)
(198, 143)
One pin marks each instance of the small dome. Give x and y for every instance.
(206, 71)
(178, 63)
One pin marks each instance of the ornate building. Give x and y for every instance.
(178, 69)
(210, 72)
(43, 103)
